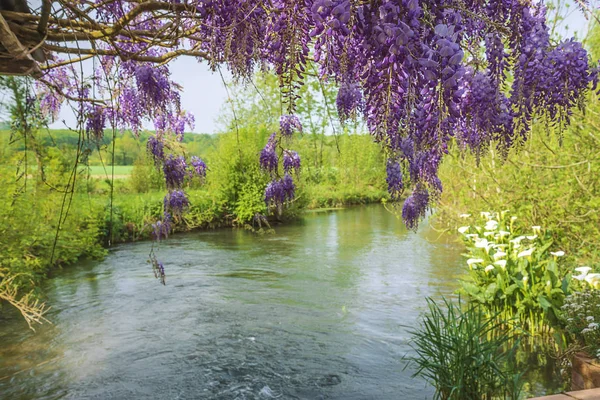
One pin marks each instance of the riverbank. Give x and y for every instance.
(44, 230)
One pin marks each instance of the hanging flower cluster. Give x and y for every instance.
(281, 189)
(421, 72)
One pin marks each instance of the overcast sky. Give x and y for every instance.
(204, 94)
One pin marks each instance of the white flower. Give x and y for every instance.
(593, 280)
(536, 229)
(481, 243)
(532, 237)
(559, 253)
(488, 233)
(464, 215)
(517, 240)
(589, 318)
(526, 253)
(489, 268)
(491, 225)
(472, 235)
(584, 271)
(513, 218)
(525, 278)
(501, 263)
(503, 233)
(463, 229)
(485, 214)
(472, 261)
(499, 255)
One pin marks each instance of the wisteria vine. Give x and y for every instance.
(420, 72)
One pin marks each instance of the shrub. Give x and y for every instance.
(581, 316)
(512, 273)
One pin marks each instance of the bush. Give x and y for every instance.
(512, 273)
(581, 316)
(465, 354)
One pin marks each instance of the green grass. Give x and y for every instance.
(100, 172)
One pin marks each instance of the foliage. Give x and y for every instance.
(30, 246)
(234, 173)
(465, 354)
(512, 273)
(581, 317)
(145, 177)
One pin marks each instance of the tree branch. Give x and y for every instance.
(128, 56)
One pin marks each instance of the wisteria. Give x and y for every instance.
(394, 179)
(175, 202)
(162, 228)
(421, 73)
(198, 167)
(156, 148)
(96, 122)
(289, 124)
(415, 207)
(279, 191)
(174, 168)
(158, 268)
(291, 161)
(349, 101)
(269, 160)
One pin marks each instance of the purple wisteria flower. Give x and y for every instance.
(274, 193)
(349, 100)
(95, 123)
(159, 269)
(279, 191)
(162, 228)
(156, 148)
(174, 168)
(291, 161)
(174, 123)
(394, 179)
(289, 124)
(154, 87)
(268, 155)
(198, 167)
(415, 207)
(176, 202)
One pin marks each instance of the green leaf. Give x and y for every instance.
(544, 302)
(510, 290)
(565, 284)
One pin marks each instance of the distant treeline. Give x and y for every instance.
(127, 146)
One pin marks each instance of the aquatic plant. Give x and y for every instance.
(464, 353)
(512, 273)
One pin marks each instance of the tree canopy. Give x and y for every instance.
(420, 72)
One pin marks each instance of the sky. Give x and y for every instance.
(204, 94)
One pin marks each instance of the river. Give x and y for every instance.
(317, 310)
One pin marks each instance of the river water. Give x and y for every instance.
(317, 310)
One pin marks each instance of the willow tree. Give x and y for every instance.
(420, 72)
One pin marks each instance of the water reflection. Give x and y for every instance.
(311, 312)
